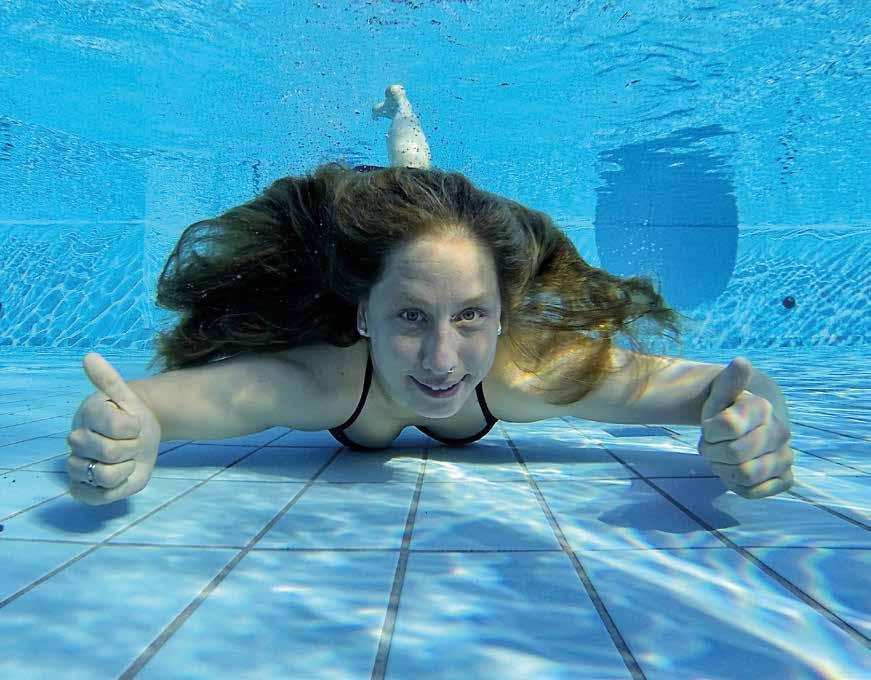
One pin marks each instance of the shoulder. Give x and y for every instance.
(513, 395)
(510, 393)
(330, 370)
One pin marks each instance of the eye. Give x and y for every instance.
(474, 311)
(465, 311)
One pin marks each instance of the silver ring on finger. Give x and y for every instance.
(90, 480)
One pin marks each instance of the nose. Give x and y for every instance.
(440, 353)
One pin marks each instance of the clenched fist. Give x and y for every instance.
(115, 434)
(745, 442)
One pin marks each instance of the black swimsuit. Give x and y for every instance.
(338, 432)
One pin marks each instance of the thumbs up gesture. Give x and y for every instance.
(115, 434)
(744, 441)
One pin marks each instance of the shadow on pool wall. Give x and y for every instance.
(668, 211)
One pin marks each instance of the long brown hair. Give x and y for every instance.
(289, 268)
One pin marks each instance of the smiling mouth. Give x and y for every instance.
(436, 392)
(440, 388)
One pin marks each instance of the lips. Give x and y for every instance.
(440, 388)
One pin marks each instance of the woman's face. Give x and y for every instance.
(437, 308)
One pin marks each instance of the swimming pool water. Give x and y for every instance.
(563, 548)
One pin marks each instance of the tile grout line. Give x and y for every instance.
(23, 468)
(164, 636)
(831, 511)
(105, 541)
(389, 624)
(805, 452)
(422, 551)
(848, 416)
(848, 628)
(617, 638)
(379, 667)
(855, 437)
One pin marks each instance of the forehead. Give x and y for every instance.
(446, 264)
(431, 258)
(425, 277)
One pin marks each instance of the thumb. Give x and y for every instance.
(105, 378)
(726, 387)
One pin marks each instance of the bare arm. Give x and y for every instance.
(674, 395)
(204, 403)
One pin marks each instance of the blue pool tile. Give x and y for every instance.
(30, 451)
(195, 519)
(22, 489)
(837, 579)
(477, 462)
(509, 615)
(24, 563)
(656, 462)
(620, 514)
(485, 590)
(344, 517)
(387, 465)
(850, 496)
(284, 615)
(854, 454)
(807, 465)
(709, 613)
(781, 520)
(480, 516)
(580, 460)
(93, 619)
(65, 518)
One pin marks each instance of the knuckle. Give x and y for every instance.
(724, 422)
(737, 452)
(755, 492)
(107, 450)
(97, 448)
(744, 475)
(115, 480)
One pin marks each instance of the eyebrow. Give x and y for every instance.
(476, 300)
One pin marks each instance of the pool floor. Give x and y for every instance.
(559, 549)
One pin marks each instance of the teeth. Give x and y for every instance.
(438, 389)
